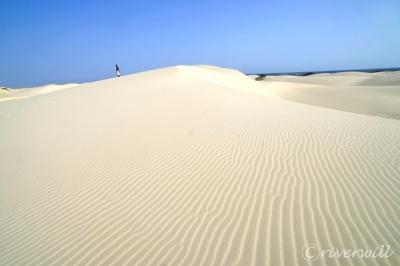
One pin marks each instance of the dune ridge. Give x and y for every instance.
(182, 166)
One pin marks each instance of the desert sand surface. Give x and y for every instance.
(197, 165)
(366, 93)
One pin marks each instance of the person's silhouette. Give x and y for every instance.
(117, 70)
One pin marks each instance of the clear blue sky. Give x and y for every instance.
(54, 41)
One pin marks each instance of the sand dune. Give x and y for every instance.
(366, 93)
(183, 166)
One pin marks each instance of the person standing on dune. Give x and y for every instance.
(117, 70)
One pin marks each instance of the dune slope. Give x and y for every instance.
(182, 166)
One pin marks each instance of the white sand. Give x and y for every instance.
(366, 93)
(183, 166)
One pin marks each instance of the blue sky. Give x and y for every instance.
(76, 41)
